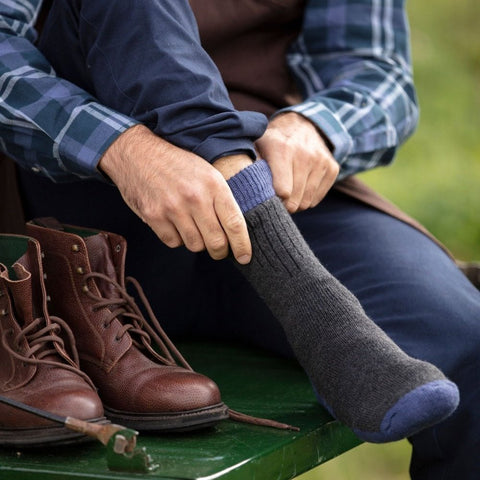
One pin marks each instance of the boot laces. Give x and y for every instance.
(125, 307)
(141, 331)
(43, 341)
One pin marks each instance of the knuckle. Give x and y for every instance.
(193, 242)
(192, 196)
(283, 191)
(335, 168)
(149, 213)
(218, 255)
(196, 247)
(306, 202)
(235, 224)
(172, 241)
(292, 206)
(217, 244)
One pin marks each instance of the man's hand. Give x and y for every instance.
(183, 198)
(303, 167)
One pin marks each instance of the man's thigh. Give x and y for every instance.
(413, 290)
(405, 282)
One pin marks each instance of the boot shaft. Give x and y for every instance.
(20, 300)
(23, 274)
(27, 334)
(71, 256)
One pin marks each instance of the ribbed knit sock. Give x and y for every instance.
(361, 376)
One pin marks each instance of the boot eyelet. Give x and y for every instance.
(80, 270)
(75, 247)
(49, 298)
(105, 325)
(3, 312)
(85, 288)
(45, 276)
(118, 248)
(117, 339)
(42, 254)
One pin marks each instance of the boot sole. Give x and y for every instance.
(44, 436)
(169, 421)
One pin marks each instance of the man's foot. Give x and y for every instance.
(361, 376)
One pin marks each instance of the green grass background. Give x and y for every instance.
(435, 177)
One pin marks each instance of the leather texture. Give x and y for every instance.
(138, 379)
(37, 366)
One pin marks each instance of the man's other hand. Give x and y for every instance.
(184, 199)
(303, 167)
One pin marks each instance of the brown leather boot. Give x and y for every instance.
(142, 379)
(36, 368)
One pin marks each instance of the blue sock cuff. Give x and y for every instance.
(252, 186)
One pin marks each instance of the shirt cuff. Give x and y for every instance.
(215, 148)
(91, 130)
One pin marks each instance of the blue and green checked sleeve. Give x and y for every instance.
(352, 64)
(47, 125)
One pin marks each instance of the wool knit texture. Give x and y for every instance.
(361, 376)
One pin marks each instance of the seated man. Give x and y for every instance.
(145, 60)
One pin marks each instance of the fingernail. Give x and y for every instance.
(243, 259)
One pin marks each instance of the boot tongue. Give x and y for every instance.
(100, 256)
(22, 294)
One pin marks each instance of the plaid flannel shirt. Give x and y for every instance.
(351, 62)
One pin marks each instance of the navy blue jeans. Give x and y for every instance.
(405, 282)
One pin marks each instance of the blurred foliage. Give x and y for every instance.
(435, 177)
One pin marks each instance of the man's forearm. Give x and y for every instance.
(176, 92)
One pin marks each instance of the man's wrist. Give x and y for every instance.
(113, 155)
(230, 165)
(126, 151)
(304, 119)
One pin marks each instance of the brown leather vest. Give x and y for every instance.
(248, 40)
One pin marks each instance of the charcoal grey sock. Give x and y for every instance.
(359, 374)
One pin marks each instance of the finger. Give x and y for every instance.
(280, 163)
(189, 232)
(282, 174)
(215, 240)
(312, 192)
(235, 227)
(168, 234)
(325, 183)
(301, 173)
(317, 185)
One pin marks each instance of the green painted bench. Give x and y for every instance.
(251, 382)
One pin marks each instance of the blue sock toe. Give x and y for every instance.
(421, 408)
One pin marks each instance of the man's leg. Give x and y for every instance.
(414, 292)
(359, 374)
(406, 284)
